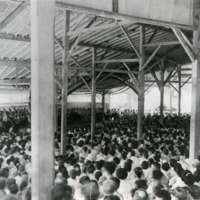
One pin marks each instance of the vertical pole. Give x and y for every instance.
(17, 78)
(115, 6)
(103, 100)
(195, 107)
(171, 96)
(141, 84)
(161, 87)
(55, 109)
(93, 96)
(42, 97)
(65, 82)
(179, 90)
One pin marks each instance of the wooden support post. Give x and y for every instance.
(93, 96)
(161, 88)
(171, 99)
(179, 90)
(103, 100)
(17, 78)
(141, 84)
(42, 98)
(65, 82)
(115, 6)
(195, 106)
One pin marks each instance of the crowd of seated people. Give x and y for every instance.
(114, 166)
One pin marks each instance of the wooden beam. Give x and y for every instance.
(160, 59)
(117, 16)
(141, 84)
(161, 43)
(20, 38)
(12, 15)
(173, 86)
(85, 83)
(150, 86)
(186, 39)
(184, 44)
(156, 79)
(186, 81)
(116, 60)
(179, 89)
(132, 86)
(170, 75)
(104, 70)
(161, 88)
(115, 5)
(195, 100)
(58, 83)
(87, 26)
(104, 67)
(99, 28)
(151, 57)
(130, 41)
(58, 42)
(152, 36)
(42, 99)
(71, 50)
(132, 77)
(74, 76)
(93, 97)
(65, 82)
(13, 81)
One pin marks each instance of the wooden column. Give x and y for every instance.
(55, 108)
(103, 100)
(195, 106)
(65, 82)
(93, 95)
(161, 88)
(42, 98)
(171, 97)
(179, 90)
(115, 6)
(141, 84)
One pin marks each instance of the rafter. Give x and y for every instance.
(130, 41)
(150, 58)
(12, 15)
(184, 44)
(118, 16)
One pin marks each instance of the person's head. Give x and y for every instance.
(138, 172)
(162, 195)
(108, 168)
(195, 191)
(97, 175)
(84, 179)
(188, 178)
(58, 191)
(73, 173)
(111, 197)
(90, 168)
(160, 177)
(165, 166)
(180, 193)
(140, 195)
(145, 165)
(90, 190)
(141, 184)
(121, 173)
(13, 188)
(109, 187)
